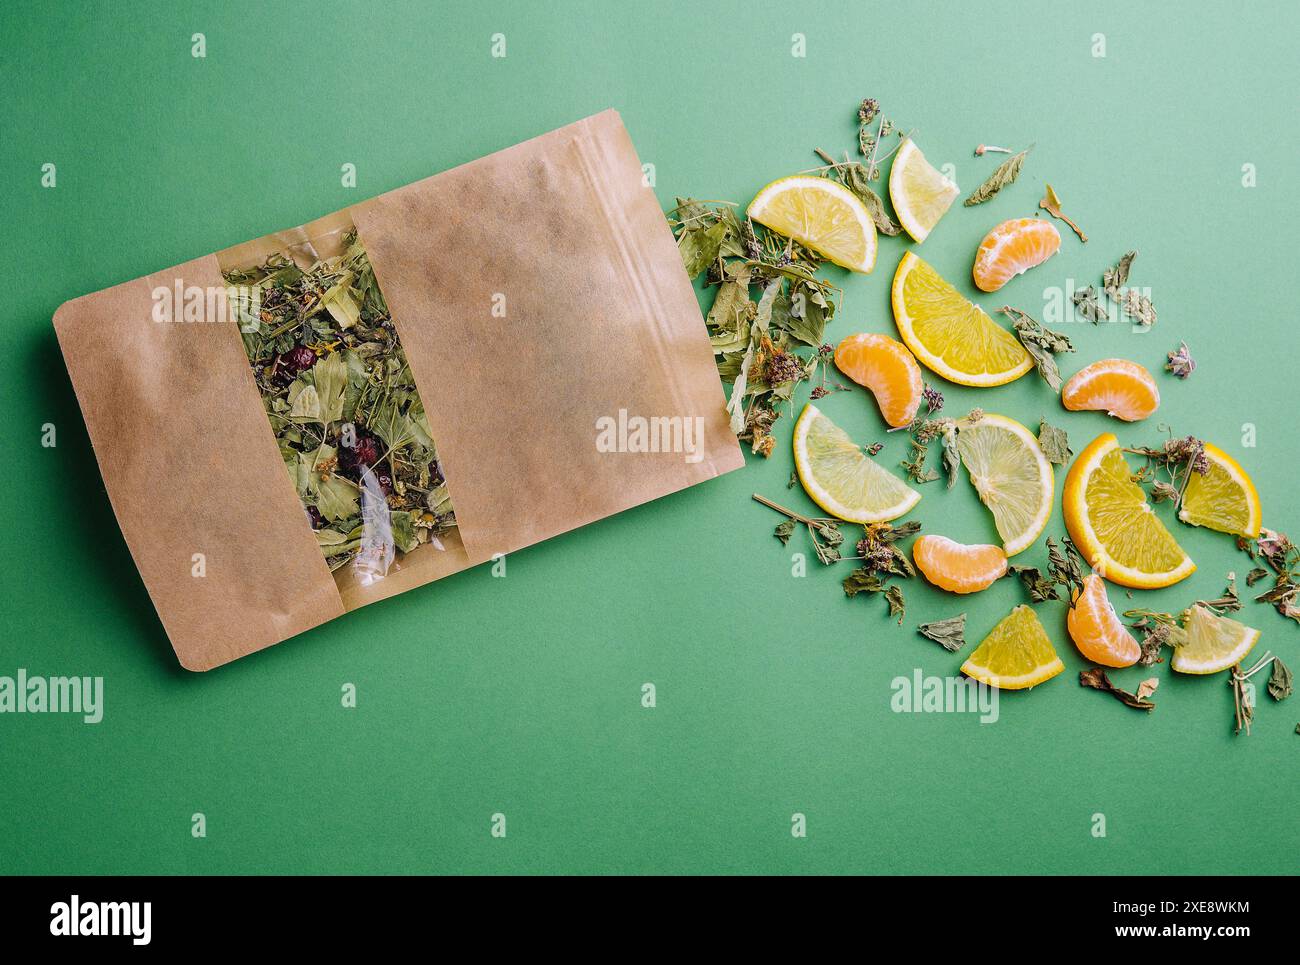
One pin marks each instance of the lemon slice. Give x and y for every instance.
(1016, 654)
(1223, 499)
(821, 214)
(919, 193)
(839, 476)
(1011, 475)
(1213, 643)
(950, 335)
(1114, 527)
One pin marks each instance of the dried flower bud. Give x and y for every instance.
(933, 399)
(1181, 362)
(868, 111)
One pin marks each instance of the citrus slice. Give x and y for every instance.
(841, 478)
(1011, 475)
(1112, 524)
(1096, 628)
(957, 567)
(1213, 643)
(1016, 654)
(949, 334)
(888, 369)
(1012, 248)
(920, 194)
(821, 214)
(1223, 499)
(1117, 387)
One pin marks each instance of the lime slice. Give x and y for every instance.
(1011, 475)
(1016, 654)
(841, 478)
(821, 214)
(950, 335)
(920, 194)
(1213, 643)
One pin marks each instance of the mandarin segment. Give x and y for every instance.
(1118, 387)
(958, 567)
(888, 370)
(1012, 248)
(1096, 628)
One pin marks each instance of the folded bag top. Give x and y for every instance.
(540, 300)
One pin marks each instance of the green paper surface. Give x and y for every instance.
(522, 696)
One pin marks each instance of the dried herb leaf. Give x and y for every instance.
(1138, 307)
(862, 580)
(1255, 575)
(784, 530)
(897, 607)
(1097, 679)
(951, 454)
(1039, 587)
(1005, 174)
(854, 177)
(1089, 306)
(1054, 442)
(914, 464)
(1113, 279)
(1041, 343)
(949, 634)
(1280, 680)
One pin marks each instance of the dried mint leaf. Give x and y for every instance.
(1005, 174)
(1054, 442)
(862, 580)
(784, 530)
(894, 597)
(1039, 587)
(1089, 306)
(1041, 343)
(949, 634)
(1280, 680)
(1113, 279)
(1138, 307)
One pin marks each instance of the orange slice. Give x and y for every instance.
(1096, 628)
(1011, 248)
(888, 369)
(957, 567)
(1118, 387)
(1115, 528)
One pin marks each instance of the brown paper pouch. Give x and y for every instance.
(540, 300)
(538, 291)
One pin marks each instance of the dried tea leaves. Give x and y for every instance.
(344, 406)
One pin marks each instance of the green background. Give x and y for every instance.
(522, 695)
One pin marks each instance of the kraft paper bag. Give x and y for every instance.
(542, 307)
